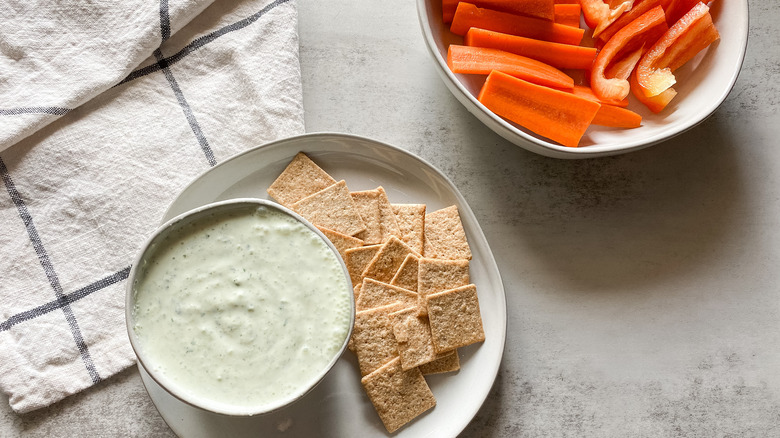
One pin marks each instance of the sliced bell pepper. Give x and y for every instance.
(647, 26)
(688, 36)
(677, 8)
(655, 103)
(598, 15)
(623, 67)
(639, 8)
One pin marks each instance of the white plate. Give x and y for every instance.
(338, 407)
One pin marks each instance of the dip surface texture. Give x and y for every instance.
(241, 309)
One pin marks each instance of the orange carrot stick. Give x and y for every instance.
(533, 8)
(555, 54)
(568, 14)
(554, 114)
(617, 117)
(481, 61)
(609, 115)
(467, 16)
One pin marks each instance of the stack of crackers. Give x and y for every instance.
(414, 300)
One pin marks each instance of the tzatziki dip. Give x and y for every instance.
(241, 308)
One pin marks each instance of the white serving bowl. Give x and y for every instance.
(154, 367)
(702, 85)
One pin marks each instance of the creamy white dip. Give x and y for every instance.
(241, 309)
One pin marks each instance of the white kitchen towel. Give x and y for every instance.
(107, 110)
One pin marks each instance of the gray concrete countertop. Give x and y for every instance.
(643, 290)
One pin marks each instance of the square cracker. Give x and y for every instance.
(386, 262)
(372, 337)
(411, 224)
(331, 208)
(406, 276)
(455, 318)
(437, 275)
(413, 334)
(375, 209)
(301, 178)
(398, 396)
(445, 237)
(357, 259)
(342, 242)
(376, 294)
(446, 363)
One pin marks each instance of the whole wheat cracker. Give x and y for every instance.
(372, 339)
(436, 275)
(446, 363)
(301, 178)
(411, 224)
(406, 276)
(445, 237)
(332, 208)
(386, 262)
(357, 259)
(413, 334)
(398, 396)
(375, 293)
(375, 209)
(455, 318)
(341, 241)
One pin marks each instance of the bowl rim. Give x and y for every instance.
(177, 391)
(548, 148)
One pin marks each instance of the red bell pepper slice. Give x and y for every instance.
(688, 36)
(623, 67)
(677, 8)
(646, 27)
(639, 8)
(598, 15)
(655, 103)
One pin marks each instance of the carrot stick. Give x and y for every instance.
(481, 61)
(467, 15)
(554, 114)
(555, 54)
(568, 14)
(609, 115)
(617, 117)
(533, 8)
(566, 2)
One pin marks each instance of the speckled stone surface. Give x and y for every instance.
(643, 290)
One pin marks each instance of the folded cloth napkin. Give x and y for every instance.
(107, 110)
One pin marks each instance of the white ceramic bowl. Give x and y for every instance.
(148, 360)
(702, 85)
